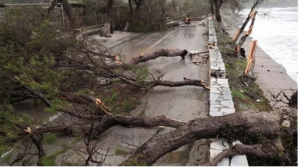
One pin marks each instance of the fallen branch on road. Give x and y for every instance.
(268, 150)
(153, 55)
(232, 126)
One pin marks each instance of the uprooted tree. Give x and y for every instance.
(38, 63)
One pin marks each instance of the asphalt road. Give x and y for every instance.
(182, 103)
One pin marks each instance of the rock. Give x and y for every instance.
(286, 123)
(246, 84)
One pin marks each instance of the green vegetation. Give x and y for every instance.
(35, 62)
(237, 94)
(247, 95)
(244, 97)
(120, 152)
(49, 138)
(49, 160)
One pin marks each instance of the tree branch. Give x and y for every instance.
(236, 124)
(268, 150)
(110, 121)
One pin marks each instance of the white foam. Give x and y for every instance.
(277, 36)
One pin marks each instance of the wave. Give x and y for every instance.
(277, 36)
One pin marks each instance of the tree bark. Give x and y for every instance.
(153, 55)
(130, 16)
(129, 121)
(39, 145)
(52, 6)
(239, 32)
(179, 83)
(218, 4)
(268, 150)
(138, 5)
(251, 57)
(249, 124)
(107, 26)
(245, 36)
(212, 7)
(229, 126)
(68, 11)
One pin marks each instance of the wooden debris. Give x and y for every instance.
(212, 45)
(197, 58)
(244, 37)
(251, 57)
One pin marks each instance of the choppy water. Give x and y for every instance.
(277, 34)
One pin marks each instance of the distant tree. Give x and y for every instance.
(67, 9)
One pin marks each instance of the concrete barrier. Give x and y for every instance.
(220, 100)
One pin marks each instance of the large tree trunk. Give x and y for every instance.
(107, 26)
(138, 5)
(244, 37)
(153, 55)
(239, 32)
(251, 58)
(218, 4)
(212, 7)
(68, 11)
(130, 16)
(232, 126)
(268, 150)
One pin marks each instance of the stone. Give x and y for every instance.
(219, 144)
(228, 104)
(214, 153)
(227, 95)
(215, 113)
(215, 86)
(286, 123)
(213, 97)
(239, 160)
(223, 81)
(224, 162)
(215, 103)
(214, 90)
(227, 111)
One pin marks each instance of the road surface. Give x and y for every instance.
(183, 103)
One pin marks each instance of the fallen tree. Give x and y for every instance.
(152, 55)
(257, 3)
(67, 79)
(245, 36)
(233, 126)
(248, 124)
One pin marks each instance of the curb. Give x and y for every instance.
(220, 101)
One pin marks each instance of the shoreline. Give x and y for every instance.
(271, 76)
(236, 22)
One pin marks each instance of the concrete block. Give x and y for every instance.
(239, 160)
(219, 144)
(214, 90)
(227, 95)
(213, 97)
(215, 113)
(224, 162)
(228, 104)
(227, 110)
(222, 81)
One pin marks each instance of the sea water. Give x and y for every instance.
(275, 29)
